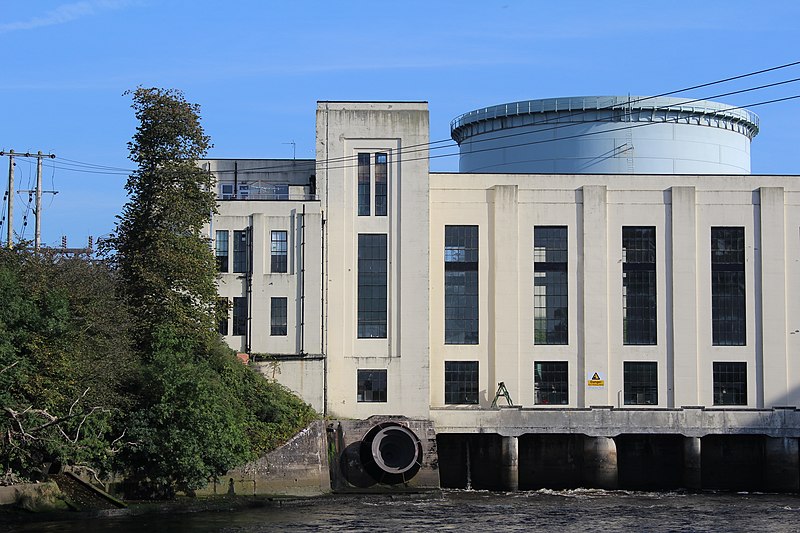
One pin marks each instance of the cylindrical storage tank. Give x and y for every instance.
(606, 135)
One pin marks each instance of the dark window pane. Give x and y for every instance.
(639, 285)
(551, 383)
(223, 314)
(381, 184)
(240, 251)
(640, 383)
(278, 316)
(460, 382)
(371, 386)
(461, 284)
(372, 285)
(278, 254)
(363, 184)
(730, 383)
(221, 250)
(240, 316)
(550, 293)
(728, 316)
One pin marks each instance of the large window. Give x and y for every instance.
(381, 184)
(550, 383)
(730, 383)
(639, 285)
(460, 382)
(363, 185)
(221, 250)
(278, 253)
(371, 385)
(640, 383)
(461, 284)
(727, 287)
(240, 251)
(277, 316)
(240, 316)
(372, 283)
(222, 313)
(550, 295)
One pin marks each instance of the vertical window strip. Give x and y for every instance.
(240, 316)
(551, 383)
(639, 300)
(240, 251)
(223, 314)
(461, 285)
(461, 382)
(728, 291)
(363, 184)
(550, 285)
(221, 250)
(381, 184)
(730, 383)
(640, 383)
(279, 252)
(372, 285)
(278, 316)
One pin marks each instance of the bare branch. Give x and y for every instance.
(12, 365)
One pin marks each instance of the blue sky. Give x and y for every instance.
(258, 67)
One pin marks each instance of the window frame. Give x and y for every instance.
(550, 272)
(222, 250)
(728, 287)
(461, 284)
(633, 388)
(720, 395)
(278, 316)
(376, 394)
(239, 316)
(279, 252)
(639, 286)
(559, 388)
(461, 382)
(240, 251)
(372, 286)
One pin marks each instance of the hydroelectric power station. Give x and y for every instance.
(600, 297)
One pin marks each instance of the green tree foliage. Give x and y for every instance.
(167, 267)
(65, 361)
(200, 411)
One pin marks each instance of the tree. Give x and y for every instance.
(166, 266)
(65, 360)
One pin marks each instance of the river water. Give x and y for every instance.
(544, 510)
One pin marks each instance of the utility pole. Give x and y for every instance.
(38, 211)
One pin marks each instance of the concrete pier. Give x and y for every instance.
(600, 463)
(782, 464)
(510, 463)
(692, 463)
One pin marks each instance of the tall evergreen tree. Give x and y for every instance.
(166, 265)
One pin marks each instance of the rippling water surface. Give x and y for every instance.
(545, 510)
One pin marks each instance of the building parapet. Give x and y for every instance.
(607, 421)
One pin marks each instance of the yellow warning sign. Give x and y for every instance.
(596, 381)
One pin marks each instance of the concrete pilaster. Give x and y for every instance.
(692, 463)
(600, 463)
(510, 463)
(772, 352)
(594, 277)
(682, 314)
(782, 464)
(504, 293)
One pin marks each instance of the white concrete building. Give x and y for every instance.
(607, 303)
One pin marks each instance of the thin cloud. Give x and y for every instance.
(65, 13)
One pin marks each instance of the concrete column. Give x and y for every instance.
(600, 463)
(504, 294)
(593, 287)
(692, 463)
(774, 383)
(782, 464)
(510, 463)
(682, 314)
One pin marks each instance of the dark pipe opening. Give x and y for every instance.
(391, 453)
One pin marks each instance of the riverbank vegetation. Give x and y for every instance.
(113, 363)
